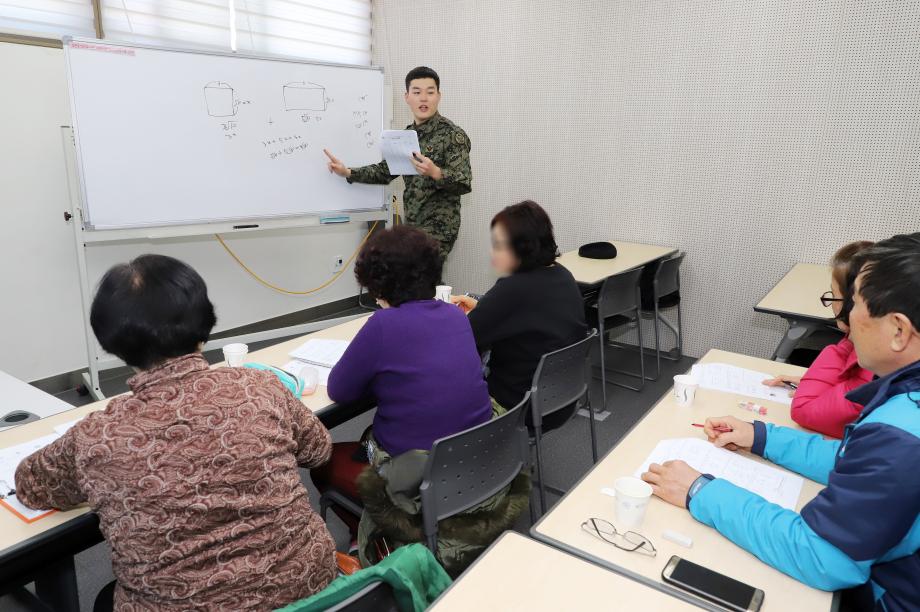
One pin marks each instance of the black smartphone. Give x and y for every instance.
(713, 586)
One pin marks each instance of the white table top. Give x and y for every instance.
(518, 574)
(629, 255)
(666, 420)
(14, 530)
(798, 293)
(17, 395)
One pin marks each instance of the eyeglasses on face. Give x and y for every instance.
(827, 298)
(629, 541)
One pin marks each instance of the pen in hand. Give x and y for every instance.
(720, 428)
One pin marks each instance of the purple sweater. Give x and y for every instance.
(419, 362)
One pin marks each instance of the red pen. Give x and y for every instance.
(720, 428)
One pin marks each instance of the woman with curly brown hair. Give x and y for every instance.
(416, 357)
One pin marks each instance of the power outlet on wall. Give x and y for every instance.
(337, 262)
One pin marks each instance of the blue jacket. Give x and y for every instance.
(863, 527)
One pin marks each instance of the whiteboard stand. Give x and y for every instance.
(85, 238)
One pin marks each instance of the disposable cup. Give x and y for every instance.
(632, 495)
(685, 387)
(235, 354)
(443, 292)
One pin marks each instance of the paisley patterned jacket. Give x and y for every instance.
(195, 480)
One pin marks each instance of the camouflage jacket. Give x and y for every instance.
(432, 205)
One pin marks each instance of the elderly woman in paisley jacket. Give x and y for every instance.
(194, 475)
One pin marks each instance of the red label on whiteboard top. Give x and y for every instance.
(104, 48)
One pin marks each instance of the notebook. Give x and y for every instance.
(320, 352)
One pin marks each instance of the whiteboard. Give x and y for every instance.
(172, 137)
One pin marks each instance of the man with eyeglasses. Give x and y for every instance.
(863, 529)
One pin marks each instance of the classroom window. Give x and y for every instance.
(327, 30)
(47, 18)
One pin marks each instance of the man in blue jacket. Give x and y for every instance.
(863, 528)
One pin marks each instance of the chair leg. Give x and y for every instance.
(680, 334)
(539, 463)
(603, 346)
(593, 431)
(323, 506)
(641, 349)
(678, 337)
(657, 343)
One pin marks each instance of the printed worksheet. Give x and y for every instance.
(771, 483)
(9, 461)
(320, 352)
(397, 147)
(732, 379)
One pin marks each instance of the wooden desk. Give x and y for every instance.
(30, 551)
(796, 298)
(18, 395)
(562, 525)
(629, 255)
(517, 574)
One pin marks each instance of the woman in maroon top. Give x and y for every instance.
(194, 475)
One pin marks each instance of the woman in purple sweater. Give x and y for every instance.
(416, 357)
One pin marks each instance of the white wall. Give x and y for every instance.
(41, 332)
(752, 135)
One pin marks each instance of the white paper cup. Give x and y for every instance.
(442, 292)
(235, 354)
(309, 376)
(632, 495)
(685, 387)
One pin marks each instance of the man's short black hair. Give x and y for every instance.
(400, 265)
(890, 271)
(151, 309)
(530, 234)
(423, 72)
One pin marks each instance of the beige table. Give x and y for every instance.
(29, 548)
(517, 574)
(19, 396)
(629, 255)
(796, 298)
(562, 525)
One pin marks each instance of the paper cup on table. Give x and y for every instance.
(443, 292)
(685, 387)
(632, 495)
(235, 354)
(309, 376)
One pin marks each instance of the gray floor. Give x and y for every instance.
(567, 454)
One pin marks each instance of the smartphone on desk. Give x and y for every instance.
(712, 586)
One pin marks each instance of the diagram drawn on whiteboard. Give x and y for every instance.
(304, 96)
(220, 99)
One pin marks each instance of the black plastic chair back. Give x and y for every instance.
(375, 597)
(619, 294)
(667, 278)
(561, 379)
(467, 468)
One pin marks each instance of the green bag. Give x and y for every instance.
(412, 571)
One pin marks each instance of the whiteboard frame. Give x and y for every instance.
(85, 237)
(180, 229)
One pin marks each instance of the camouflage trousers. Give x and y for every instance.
(442, 224)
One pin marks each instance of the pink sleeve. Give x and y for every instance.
(819, 403)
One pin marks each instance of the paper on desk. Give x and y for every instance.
(397, 147)
(320, 352)
(772, 484)
(63, 427)
(9, 461)
(295, 367)
(732, 379)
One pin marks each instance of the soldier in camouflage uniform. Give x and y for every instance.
(431, 199)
